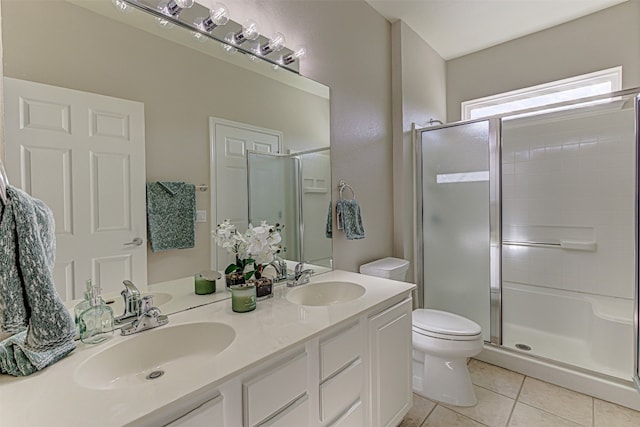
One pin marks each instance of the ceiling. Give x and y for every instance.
(458, 27)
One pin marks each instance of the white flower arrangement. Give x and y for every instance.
(263, 242)
(257, 246)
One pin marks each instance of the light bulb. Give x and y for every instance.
(249, 32)
(275, 44)
(174, 7)
(184, 4)
(218, 15)
(299, 53)
(120, 5)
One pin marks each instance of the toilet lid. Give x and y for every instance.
(443, 322)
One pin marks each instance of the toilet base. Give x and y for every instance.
(446, 380)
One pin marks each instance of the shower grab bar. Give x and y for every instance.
(574, 245)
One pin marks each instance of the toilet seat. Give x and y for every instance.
(444, 325)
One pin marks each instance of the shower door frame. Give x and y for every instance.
(495, 210)
(495, 199)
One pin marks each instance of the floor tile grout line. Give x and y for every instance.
(454, 411)
(516, 400)
(555, 415)
(428, 414)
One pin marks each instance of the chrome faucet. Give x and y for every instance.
(131, 296)
(280, 266)
(300, 275)
(148, 317)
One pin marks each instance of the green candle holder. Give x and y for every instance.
(205, 282)
(243, 298)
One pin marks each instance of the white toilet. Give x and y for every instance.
(442, 342)
(389, 268)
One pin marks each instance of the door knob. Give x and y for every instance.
(137, 241)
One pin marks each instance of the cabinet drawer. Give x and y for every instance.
(340, 349)
(295, 415)
(208, 414)
(353, 417)
(341, 390)
(277, 387)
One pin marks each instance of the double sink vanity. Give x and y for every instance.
(334, 352)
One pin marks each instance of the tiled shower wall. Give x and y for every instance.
(569, 176)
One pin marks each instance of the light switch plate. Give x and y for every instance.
(201, 216)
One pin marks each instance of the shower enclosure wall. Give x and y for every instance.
(528, 226)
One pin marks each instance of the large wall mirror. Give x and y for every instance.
(155, 84)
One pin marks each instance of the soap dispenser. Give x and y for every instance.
(96, 322)
(83, 305)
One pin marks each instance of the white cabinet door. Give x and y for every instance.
(83, 155)
(209, 414)
(390, 350)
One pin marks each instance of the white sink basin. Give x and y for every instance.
(166, 352)
(325, 293)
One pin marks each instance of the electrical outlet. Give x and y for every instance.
(201, 216)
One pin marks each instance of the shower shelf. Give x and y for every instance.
(572, 245)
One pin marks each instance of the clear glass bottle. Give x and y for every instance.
(96, 322)
(80, 307)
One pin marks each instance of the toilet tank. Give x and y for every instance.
(389, 268)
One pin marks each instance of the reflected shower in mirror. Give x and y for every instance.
(169, 86)
(295, 190)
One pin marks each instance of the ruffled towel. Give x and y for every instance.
(349, 219)
(28, 297)
(171, 215)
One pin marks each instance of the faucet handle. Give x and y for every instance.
(299, 268)
(146, 304)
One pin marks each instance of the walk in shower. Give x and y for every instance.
(529, 227)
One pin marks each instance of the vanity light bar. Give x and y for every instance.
(232, 35)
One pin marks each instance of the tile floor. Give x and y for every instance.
(506, 398)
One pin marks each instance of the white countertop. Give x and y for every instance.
(53, 397)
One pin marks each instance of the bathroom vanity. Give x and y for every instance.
(335, 352)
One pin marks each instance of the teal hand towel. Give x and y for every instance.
(349, 219)
(171, 215)
(28, 297)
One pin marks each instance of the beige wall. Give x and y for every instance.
(602, 40)
(419, 81)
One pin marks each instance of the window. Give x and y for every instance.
(597, 83)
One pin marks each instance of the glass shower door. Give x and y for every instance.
(457, 213)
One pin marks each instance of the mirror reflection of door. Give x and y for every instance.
(229, 144)
(83, 155)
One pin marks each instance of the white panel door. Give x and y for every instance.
(83, 155)
(229, 144)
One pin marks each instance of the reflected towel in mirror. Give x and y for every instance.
(171, 215)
